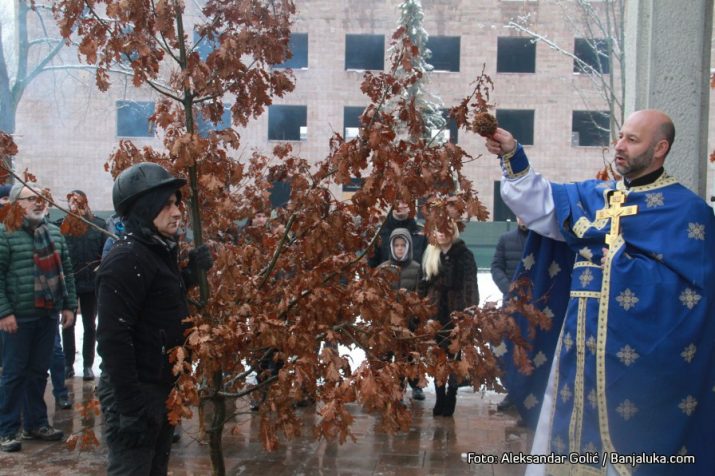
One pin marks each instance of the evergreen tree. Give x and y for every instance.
(427, 105)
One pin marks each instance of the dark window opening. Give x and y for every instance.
(501, 211)
(351, 121)
(133, 119)
(451, 127)
(205, 125)
(287, 122)
(280, 194)
(520, 122)
(450, 132)
(593, 53)
(445, 52)
(354, 185)
(590, 128)
(365, 52)
(298, 46)
(515, 55)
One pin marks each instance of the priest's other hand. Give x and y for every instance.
(501, 143)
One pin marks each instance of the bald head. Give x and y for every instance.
(659, 124)
(643, 142)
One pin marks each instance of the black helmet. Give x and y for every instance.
(138, 180)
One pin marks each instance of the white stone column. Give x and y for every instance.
(667, 61)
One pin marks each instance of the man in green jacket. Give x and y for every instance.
(36, 283)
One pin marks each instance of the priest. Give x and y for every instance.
(633, 367)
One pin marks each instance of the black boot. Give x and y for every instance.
(450, 401)
(441, 397)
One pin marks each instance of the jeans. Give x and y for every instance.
(152, 459)
(59, 389)
(88, 306)
(57, 369)
(26, 359)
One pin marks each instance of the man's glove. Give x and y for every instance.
(200, 259)
(136, 431)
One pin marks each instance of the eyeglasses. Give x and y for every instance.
(32, 198)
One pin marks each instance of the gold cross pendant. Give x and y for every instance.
(615, 211)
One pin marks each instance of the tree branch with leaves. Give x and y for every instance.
(304, 282)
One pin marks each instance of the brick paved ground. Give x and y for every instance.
(432, 446)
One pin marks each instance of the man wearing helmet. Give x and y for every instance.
(141, 301)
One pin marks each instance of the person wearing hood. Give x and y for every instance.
(36, 285)
(399, 218)
(86, 253)
(450, 282)
(141, 302)
(409, 274)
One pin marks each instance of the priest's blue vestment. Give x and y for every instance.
(635, 370)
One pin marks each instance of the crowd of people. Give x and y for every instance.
(630, 360)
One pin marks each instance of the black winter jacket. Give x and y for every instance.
(382, 248)
(86, 253)
(141, 301)
(455, 287)
(507, 257)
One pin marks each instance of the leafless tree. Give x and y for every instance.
(600, 24)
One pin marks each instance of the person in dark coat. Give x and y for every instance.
(399, 218)
(86, 253)
(141, 298)
(409, 277)
(450, 282)
(508, 256)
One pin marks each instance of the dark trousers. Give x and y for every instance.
(88, 308)
(446, 400)
(151, 459)
(26, 360)
(59, 389)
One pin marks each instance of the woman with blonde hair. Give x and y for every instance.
(450, 281)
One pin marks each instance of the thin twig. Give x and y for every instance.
(54, 204)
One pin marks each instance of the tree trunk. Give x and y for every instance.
(215, 430)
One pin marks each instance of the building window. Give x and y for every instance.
(593, 56)
(590, 128)
(205, 125)
(449, 133)
(133, 119)
(287, 122)
(520, 122)
(203, 46)
(365, 52)
(515, 55)
(298, 46)
(445, 52)
(501, 211)
(280, 194)
(451, 127)
(351, 121)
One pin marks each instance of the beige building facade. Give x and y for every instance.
(66, 128)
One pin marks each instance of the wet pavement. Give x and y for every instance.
(432, 446)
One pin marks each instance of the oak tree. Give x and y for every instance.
(294, 292)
